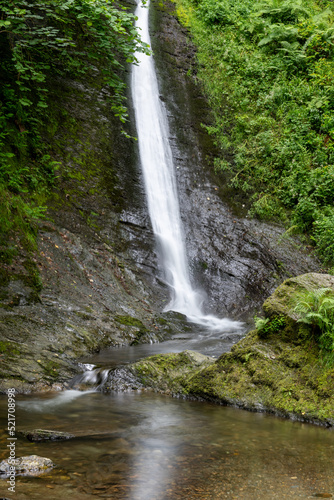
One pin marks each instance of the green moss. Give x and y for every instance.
(32, 278)
(4, 277)
(51, 368)
(130, 321)
(9, 349)
(161, 321)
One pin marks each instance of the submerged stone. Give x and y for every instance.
(46, 435)
(32, 465)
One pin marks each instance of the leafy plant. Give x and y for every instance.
(283, 12)
(260, 323)
(269, 78)
(323, 235)
(316, 308)
(267, 326)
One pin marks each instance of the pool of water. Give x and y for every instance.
(210, 343)
(144, 446)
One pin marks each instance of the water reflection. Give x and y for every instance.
(141, 446)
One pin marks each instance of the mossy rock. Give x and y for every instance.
(169, 372)
(283, 300)
(282, 372)
(130, 321)
(38, 435)
(9, 348)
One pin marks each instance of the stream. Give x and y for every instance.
(143, 446)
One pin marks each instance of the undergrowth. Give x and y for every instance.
(267, 68)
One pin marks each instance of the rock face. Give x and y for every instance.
(279, 370)
(32, 465)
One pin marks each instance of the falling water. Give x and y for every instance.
(158, 170)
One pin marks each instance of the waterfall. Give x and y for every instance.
(160, 185)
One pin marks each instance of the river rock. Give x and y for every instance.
(46, 435)
(32, 465)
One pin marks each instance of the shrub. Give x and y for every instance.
(40, 41)
(268, 71)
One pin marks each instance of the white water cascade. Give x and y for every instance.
(160, 185)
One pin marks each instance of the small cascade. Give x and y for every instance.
(106, 379)
(161, 191)
(95, 378)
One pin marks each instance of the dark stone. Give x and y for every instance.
(46, 435)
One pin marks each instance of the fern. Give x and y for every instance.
(316, 308)
(260, 323)
(284, 12)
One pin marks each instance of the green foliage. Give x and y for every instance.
(268, 71)
(42, 41)
(260, 323)
(323, 235)
(266, 326)
(316, 308)
(283, 12)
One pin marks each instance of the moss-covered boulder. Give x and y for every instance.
(282, 301)
(170, 373)
(282, 372)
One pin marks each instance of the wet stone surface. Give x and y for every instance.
(31, 465)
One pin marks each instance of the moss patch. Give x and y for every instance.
(9, 349)
(130, 321)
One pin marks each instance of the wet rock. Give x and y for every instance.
(170, 373)
(237, 262)
(45, 435)
(32, 465)
(122, 380)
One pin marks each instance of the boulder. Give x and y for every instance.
(279, 369)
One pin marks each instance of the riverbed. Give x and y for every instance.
(144, 446)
